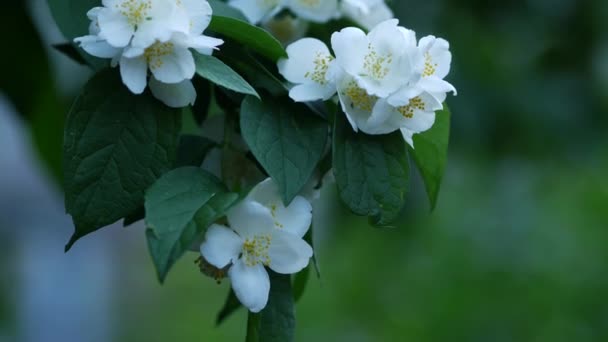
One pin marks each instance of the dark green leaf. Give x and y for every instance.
(116, 145)
(287, 139)
(192, 150)
(254, 37)
(219, 73)
(71, 51)
(299, 283)
(309, 238)
(431, 153)
(200, 109)
(71, 16)
(277, 322)
(231, 305)
(134, 217)
(179, 208)
(252, 69)
(372, 172)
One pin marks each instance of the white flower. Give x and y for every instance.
(95, 45)
(319, 11)
(433, 64)
(257, 11)
(260, 11)
(154, 35)
(386, 81)
(263, 232)
(412, 113)
(308, 65)
(367, 13)
(381, 61)
(139, 22)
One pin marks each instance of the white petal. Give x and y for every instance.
(97, 47)
(350, 46)
(175, 95)
(221, 246)
(250, 218)
(421, 122)
(434, 84)
(255, 10)
(203, 44)
(387, 37)
(315, 11)
(288, 253)
(132, 52)
(356, 103)
(265, 192)
(134, 72)
(115, 28)
(312, 92)
(251, 285)
(173, 67)
(377, 14)
(441, 55)
(296, 218)
(302, 55)
(199, 13)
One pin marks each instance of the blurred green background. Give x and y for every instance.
(515, 251)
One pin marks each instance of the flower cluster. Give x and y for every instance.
(154, 35)
(385, 80)
(366, 13)
(262, 233)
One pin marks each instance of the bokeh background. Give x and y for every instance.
(517, 249)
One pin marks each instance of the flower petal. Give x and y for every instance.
(251, 285)
(302, 58)
(295, 218)
(204, 44)
(255, 11)
(115, 28)
(315, 11)
(175, 95)
(97, 47)
(134, 72)
(350, 46)
(250, 218)
(199, 13)
(173, 67)
(288, 253)
(311, 92)
(221, 246)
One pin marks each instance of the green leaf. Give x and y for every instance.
(179, 208)
(71, 16)
(254, 37)
(286, 139)
(252, 69)
(116, 145)
(219, 73)
(430, 153)
(134, 217)
(231, 305)
(200, 109)
(308, 237)
(192, 150)
(372, 172)
(299, 283)
(71, 51)
(277, 322)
